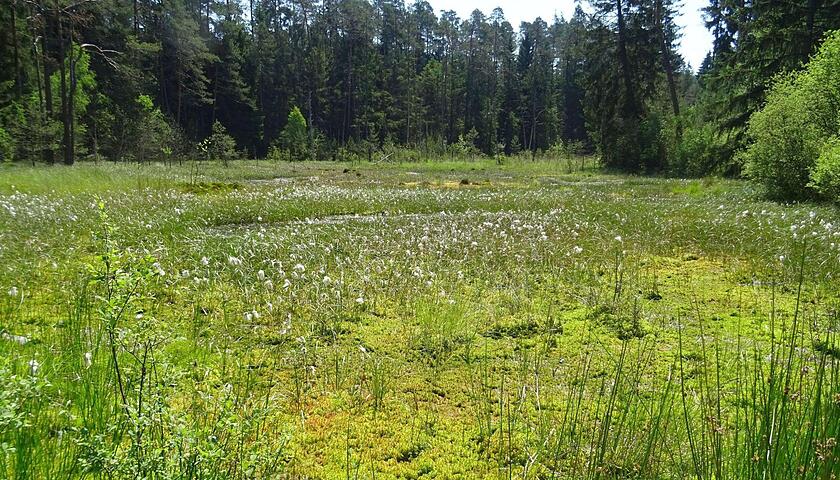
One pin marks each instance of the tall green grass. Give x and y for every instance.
(537, 360)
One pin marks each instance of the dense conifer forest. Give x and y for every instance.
(145, 80)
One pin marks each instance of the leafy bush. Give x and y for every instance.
(825, 178)
(785, 143)
(789, 133)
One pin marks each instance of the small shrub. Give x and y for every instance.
(698, 150)
(219, 145)
(651, 147)
(466, 145)
(154, 138)
(295, 137)
(7, 146)
(18, 133)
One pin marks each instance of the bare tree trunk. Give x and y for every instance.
(309, 114)
(409, 112)
(215, 93)
(164, 92)
(95, 140)
(37, 60)
(49, 154)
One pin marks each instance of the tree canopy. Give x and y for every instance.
(370, 75)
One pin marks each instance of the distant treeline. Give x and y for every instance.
(155, 79)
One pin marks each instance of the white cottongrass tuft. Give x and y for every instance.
(34, 366)
(19, 339)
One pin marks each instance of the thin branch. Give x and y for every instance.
(104, 53)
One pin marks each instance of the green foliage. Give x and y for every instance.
(699, 149)
(825, 177)
(785, 143)
(7, 146)
(30, 133)
(789, 133)
(219, 145)
(12, 123)
(756, 42)
(369, 73)
(154, 138)
(295, 136)
(85, 82)
(651, 145)
(466, 145)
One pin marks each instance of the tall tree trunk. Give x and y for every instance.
(215, 94)
(49, 69)
(809, 25)
(469, 91)
(630, 106)
(36, 58)
(309, 114)
(667, 66)
(164, 92)
(348, 102)
(66, 109)
(136, 19)
(71, 102)
(178, 108)
(308, 70)
(16, 51)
